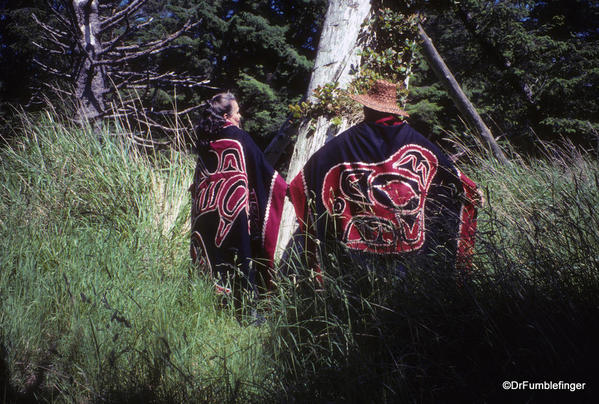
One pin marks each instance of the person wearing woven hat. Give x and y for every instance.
(380, 99)
(381, 189)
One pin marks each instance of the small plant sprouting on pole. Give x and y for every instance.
(388, 54)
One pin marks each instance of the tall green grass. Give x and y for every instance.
(96, 299)
(99, 302)
(526, 312)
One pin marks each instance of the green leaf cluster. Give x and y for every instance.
(390, 52)
(331, 102)
(387, 54)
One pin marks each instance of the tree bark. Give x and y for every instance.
(460, 99)
(90, 80)
(337, 55)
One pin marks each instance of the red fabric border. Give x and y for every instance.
(390, 120)
(299, 199)
(298, 196)
(273, 218)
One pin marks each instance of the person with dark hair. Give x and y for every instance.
(382, 189)
(237, 201)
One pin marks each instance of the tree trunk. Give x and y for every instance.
(460, 99)
(90, 79)
(337, 55)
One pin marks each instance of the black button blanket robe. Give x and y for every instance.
(383, 189)
(237, 201)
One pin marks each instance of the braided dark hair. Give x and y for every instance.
(212, 118)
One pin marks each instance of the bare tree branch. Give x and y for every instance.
(57, 89)
(50, 50)
(58, 43)
(116, 40)
(153, 124)
(118, 17)
(456, 93)
(156, 47)
(180, 79)
(51, 30)
(138, 140)
(143, 24)
(145, 120)
(185, 111)
(71, 22)
(52, 70)
(63, 21)
(97, 63)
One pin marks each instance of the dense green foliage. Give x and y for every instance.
(269, 47)
(530, 67)
(17, 71)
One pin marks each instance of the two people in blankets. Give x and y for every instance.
(380, 188)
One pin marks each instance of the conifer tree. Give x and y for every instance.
(261, 50)
(266, 57)
(529, 65)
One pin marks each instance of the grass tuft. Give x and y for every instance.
(525, 313)
(96, 299)
(97, 303)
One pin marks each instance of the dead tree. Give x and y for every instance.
(338, 53)
(93, 36)
(460, 99)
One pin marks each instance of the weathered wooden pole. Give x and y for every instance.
(337, 54)
(460, 99)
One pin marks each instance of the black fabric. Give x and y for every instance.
(375, 169)
(233, 195)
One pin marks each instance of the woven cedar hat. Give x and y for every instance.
(381, 97)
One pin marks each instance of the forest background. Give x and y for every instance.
(530, 67)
